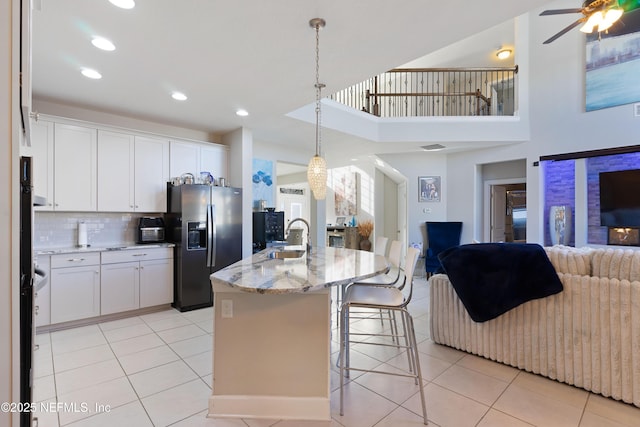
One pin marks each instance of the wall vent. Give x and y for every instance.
(433, 147)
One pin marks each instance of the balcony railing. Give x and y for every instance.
(407, 92)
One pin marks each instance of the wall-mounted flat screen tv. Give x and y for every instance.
(620, 198)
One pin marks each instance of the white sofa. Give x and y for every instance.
(588, 335)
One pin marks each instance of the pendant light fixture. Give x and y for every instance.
(317, 169)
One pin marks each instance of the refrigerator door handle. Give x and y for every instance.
(211, 236)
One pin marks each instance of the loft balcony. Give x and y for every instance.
(460, 108)
(435, 92)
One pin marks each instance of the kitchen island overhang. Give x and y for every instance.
(272, 332)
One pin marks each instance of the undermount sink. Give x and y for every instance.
(286, 253)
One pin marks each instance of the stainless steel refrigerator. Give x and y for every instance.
(205, 223)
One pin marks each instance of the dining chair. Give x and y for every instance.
(385, 298)
(380, 247)
(394, 275)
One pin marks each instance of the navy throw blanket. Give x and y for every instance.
(492, 278)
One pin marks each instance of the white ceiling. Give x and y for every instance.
(253, 54)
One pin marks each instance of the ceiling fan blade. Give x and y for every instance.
(564, 31)
(560, 11)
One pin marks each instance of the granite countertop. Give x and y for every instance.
(114, 247)
(325, 267)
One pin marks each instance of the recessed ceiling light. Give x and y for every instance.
(92, 74)
(503, 53)
(102, 43)
(242, 113)
(179, 96)
(124, 4)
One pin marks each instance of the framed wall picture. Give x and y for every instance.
(345, 192)
(429, 189)
(612, 65)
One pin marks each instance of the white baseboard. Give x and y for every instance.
(270, 407)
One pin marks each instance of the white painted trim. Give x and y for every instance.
(270, 407)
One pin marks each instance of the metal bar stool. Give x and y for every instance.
(380, 248)
(394, 277)
(385, 298)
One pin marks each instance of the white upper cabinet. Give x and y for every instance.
(132, 173)
(115, 172)
(185, 158)
(75, 169)
(213, 159)
(99, 168)
(42, 153)
(151, 174)
(196, 157)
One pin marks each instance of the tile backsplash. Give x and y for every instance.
(60, 229)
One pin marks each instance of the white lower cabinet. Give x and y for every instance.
(136, 278)
(156, 282)
(85, 285)
(120, 287)
(75, 286)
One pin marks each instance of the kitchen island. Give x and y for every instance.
(272, 332)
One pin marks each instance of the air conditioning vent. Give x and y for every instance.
(433, 147)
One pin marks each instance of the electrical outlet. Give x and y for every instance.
(226, 309)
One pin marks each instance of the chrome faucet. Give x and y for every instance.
(286, 232)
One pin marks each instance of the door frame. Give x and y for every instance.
(486, 229)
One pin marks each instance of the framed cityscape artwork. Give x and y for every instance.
(429, 189)
(613, 63)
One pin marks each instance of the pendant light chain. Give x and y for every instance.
(317, 169)
(319, 87)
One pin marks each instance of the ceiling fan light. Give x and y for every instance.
(610, 18)
(317, 177)
(594, 21)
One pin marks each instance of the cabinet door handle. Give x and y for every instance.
(37, 308)
(75, 259)
(139, 254)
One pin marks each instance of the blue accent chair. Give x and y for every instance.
(440, 236)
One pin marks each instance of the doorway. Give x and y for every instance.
(505, 211)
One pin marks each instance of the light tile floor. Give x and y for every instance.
(155, 370)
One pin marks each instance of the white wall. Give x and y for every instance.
(412, 166)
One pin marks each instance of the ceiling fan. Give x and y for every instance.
(598, 15)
